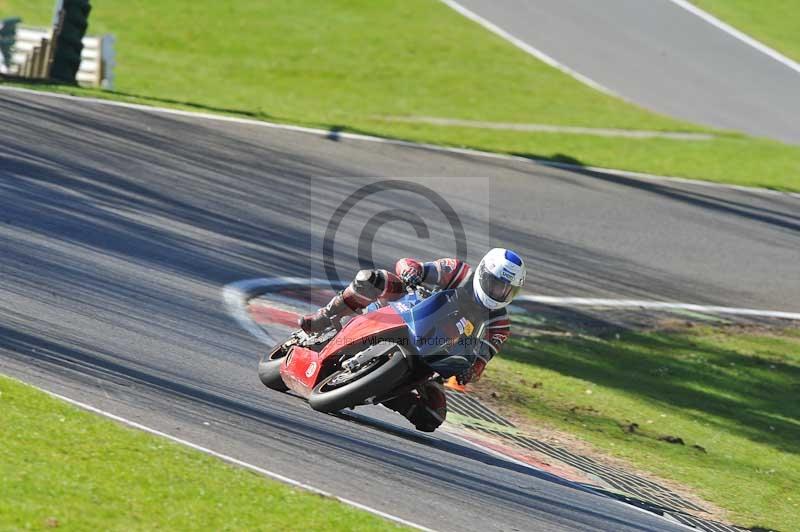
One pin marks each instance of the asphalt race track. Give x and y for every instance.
(660, 56)
(119, 227)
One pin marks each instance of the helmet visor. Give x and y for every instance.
(496, 288)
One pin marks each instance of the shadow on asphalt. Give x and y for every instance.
(241, 208)
(464, 451)
(67, 360)
(709, 202)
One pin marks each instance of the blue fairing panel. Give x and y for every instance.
(434, 334)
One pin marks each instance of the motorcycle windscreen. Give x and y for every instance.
(433, 326)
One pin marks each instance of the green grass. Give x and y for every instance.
(776, 23)
(347, 63)
(735, 395)
(63, 467)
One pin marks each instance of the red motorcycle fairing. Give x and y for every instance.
(300, 370)
(303, 367)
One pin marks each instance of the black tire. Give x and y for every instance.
(381, 378)
(269, 369)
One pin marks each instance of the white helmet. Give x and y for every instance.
(498, 279)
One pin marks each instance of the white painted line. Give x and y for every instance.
(235, 296)
(396, 142)
(236, 461)
(522, 45)
(730, 30)
(655, 305)
(549, 128)
(271, 125)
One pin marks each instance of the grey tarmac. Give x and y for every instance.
(661, 57)
(119, 228)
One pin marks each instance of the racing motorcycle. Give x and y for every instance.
(379, 355)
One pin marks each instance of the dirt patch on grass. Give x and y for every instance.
(654, 395)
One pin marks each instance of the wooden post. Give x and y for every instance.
(29, 65)
(40, 73)
(37, 58)
(48, 59)
(32, 61)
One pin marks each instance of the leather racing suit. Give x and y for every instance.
(425, 407)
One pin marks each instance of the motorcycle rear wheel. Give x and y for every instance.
(269, 369)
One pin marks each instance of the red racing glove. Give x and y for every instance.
(410, 271)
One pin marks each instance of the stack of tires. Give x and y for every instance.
(73, 21)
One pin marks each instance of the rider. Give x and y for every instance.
(490, 288)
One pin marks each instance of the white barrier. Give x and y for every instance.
(97, 58)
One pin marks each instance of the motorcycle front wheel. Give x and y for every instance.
(343, 389)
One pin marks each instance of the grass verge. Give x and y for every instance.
(732, 398)
(773, 22)
(345, 64)
(63, 467)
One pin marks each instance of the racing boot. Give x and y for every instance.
(321, 319)
(343, 304)
(368, 286)
(425, 407)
